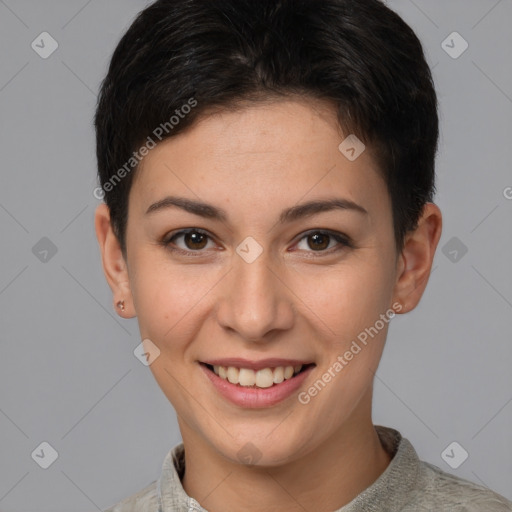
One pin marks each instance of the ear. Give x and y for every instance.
(415, 261)
(114, 264)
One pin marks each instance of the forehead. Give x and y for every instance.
(263, 154)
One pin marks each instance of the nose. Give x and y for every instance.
(255, 301)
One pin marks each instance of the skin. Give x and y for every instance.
(294, 301)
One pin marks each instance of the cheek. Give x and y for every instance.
(343, 301)
(168, 296)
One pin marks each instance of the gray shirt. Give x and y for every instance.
(407, 485)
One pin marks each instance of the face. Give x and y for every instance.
(254, 278)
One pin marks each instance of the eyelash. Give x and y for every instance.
(343, 240)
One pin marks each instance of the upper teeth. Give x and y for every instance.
(263, 378)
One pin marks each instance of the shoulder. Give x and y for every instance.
(442, 491)
(146, 500)
(412, 485)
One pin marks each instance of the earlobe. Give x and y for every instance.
(113, 262)
(415, 262)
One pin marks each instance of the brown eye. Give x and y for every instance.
(324, 242)
(195, 240)
(318, 241)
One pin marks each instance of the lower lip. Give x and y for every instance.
(256, 398)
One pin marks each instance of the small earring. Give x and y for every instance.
(120, 305)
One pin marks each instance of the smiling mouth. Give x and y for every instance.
(263, 378)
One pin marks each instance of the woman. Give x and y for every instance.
(268, 175)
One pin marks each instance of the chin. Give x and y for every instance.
(261, 450)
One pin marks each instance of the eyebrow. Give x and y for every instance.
(288, 215)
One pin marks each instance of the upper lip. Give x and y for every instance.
(239, 362)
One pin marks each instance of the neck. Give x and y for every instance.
(327, 478)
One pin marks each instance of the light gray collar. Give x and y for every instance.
(389, 493)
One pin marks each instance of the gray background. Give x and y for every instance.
(68, 375)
